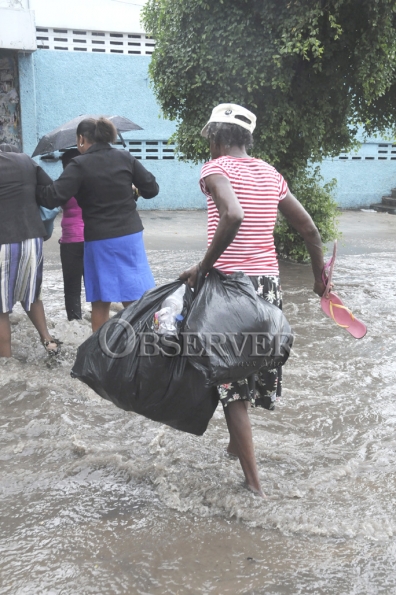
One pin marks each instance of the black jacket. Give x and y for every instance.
(19, 214)
(101, 180)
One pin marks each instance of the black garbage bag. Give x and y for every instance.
(232, 332)
(129, 364)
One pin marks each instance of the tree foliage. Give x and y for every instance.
(311, 70)
(317, 198)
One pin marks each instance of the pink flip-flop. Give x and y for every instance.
(333, 307)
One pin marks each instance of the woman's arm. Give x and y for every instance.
(302, 222)
(42, 177)
(62, 190)
(231, 217)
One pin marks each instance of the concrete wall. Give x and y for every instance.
(57, 86)
(99, 15)
(360, 183)
(15, 4)
(10, 124)
(364, 175)
(17, 27)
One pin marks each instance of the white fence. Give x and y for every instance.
(141, 149)
(137, 44)
(154, 149)
(371, 151)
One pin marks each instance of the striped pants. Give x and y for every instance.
(21, 273)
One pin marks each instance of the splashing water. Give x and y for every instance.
(97, 500)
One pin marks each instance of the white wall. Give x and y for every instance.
(15, 4)
(17, 30)
(97, 15)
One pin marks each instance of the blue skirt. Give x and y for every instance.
(116, 269)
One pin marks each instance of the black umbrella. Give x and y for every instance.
(65, 135)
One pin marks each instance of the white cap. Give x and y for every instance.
(231, 113)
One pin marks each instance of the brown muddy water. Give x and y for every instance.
(95, 500)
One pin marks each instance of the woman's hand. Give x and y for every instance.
(135, 192)
(191, 275)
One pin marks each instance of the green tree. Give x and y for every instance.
(317, 199)
(311, 70)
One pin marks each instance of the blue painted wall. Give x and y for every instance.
(58, 86)
(360, 183)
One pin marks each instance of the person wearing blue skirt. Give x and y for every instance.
(101, 179)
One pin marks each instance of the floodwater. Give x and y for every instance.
(95, 500)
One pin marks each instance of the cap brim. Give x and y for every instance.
(204, 131)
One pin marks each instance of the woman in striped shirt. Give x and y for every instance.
(244, 195)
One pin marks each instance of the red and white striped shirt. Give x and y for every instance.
(259, 188)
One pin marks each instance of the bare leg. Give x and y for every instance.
(241, 439)
(100, 314)
(232, 447)
(37, 316)
(5, 335)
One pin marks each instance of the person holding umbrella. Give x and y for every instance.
(101, 178)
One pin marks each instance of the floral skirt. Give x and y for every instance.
(263, 388)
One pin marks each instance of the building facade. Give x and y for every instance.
(60, 60)
(17, 33)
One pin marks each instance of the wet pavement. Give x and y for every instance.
(96, 500)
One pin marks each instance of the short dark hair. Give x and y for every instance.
(7, 148)
(229, 135)
(68, 155)
(97, 131)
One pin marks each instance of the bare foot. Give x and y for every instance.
(258, 492)
(232, 451)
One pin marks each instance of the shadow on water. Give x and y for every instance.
(96, 500)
